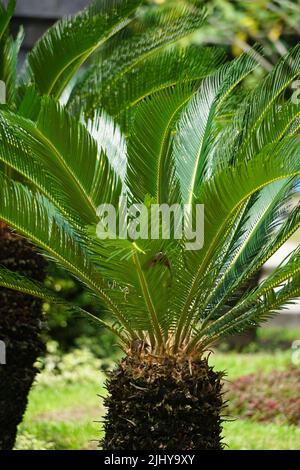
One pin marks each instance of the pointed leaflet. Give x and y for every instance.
(279, 161)
(68, 152)
(195, 134)
(129, 52)
(149, 144)
(15, 281)
(31, 215)
(69, 43)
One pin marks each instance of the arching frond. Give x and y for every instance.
(6, 13)
(128, 54)
(15, 281)
(261, 223)
(69, 43)
(159, 71)
(36, 219)
(149, 144)
(196, 136)
(280, 161)
(66, 149)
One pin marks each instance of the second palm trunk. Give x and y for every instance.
(20, 329)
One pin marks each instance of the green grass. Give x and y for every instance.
(62, 416)
(243, 364)
(62, 398)
(83, 434)
(276, 334)
(246, 435)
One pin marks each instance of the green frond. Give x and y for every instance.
(9, 50)
(18, 155)
(279, 162)
(15, 281)
(128, 53)
(257, 228)
(253, 313)
(161, 70)
(136, 280)
(275, 125)
(110, 141)
(74, 160)
(150, 141)
(66, 150)
(158, 123)
(6, 14)
(29, 102)
(196, 137)
(31, 215)
(69, 43)
(262, 98)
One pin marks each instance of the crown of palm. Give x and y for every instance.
(165, 126)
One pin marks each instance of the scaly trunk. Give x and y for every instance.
(163, 404)
(20, 329)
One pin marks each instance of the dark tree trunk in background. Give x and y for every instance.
(20, 329)
(166, 405)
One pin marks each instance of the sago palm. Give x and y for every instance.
(56, 64)
(239, 157)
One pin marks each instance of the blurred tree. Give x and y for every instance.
(239, 24)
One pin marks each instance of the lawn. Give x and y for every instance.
(66, 414)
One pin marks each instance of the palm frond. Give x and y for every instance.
(15, 281)
(251, 311)
(259, 227)
(280, 161)
(9, 49)
(195, 137)
(110, 141)
(36, 219)
(69, 43)
(68, 152)
(5, 16)
(149, 144)
(135, 279)
(125, 55)
(162, 69)
(260, 101)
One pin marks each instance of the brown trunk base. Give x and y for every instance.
(168, 405)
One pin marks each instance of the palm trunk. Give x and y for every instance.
(20, 329)
(166, 405)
